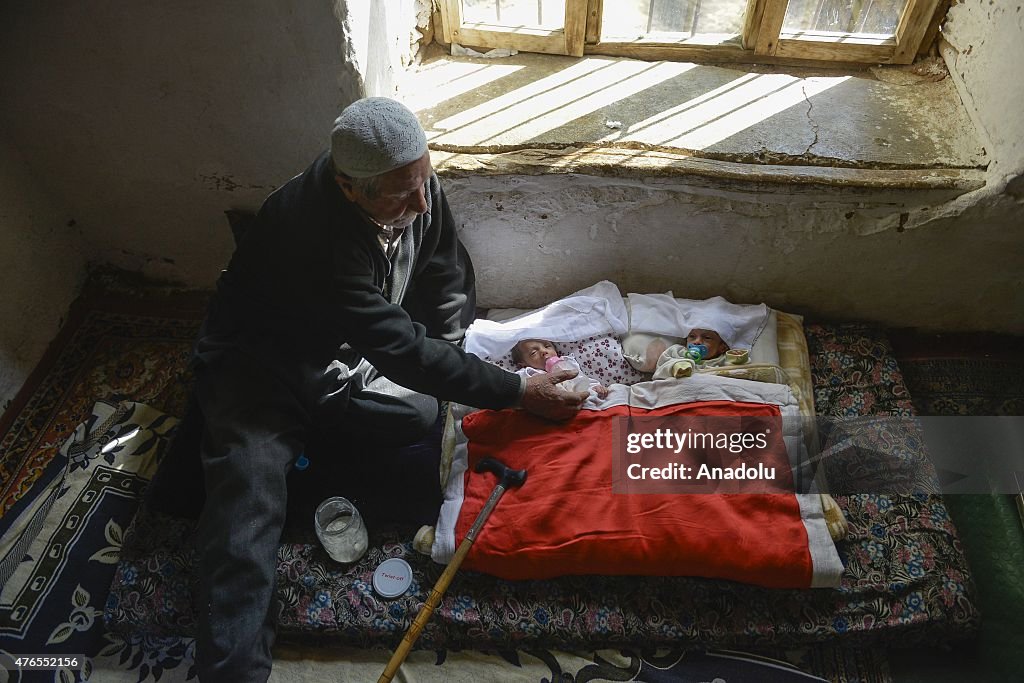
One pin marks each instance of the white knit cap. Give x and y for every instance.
(376, 135)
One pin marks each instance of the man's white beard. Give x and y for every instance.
(404, 222)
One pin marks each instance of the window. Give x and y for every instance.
(552, 26)
(773, 31)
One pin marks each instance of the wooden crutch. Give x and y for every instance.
(506, 479)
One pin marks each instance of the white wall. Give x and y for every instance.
(42, 264)
(385, 36)
(144, 121)
(831, 253)
(985, 52)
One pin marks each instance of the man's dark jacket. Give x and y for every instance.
(310, 278)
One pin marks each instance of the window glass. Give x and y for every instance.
(547, 14)
(879, 17)
(671, 19)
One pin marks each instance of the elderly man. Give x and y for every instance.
(338, 310)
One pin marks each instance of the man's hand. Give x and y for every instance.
(545, 399)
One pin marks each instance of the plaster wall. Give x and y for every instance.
(386, 37)
(149, 119)
(984, 53)
(42, 264)
(831, 253)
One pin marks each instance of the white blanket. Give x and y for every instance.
(739, 325)
(596, 310)
(601, 309)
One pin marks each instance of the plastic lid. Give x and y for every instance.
(392, 577)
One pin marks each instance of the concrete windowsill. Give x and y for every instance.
(534, 114)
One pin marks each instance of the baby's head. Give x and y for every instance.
(532, 353)
(709, 338)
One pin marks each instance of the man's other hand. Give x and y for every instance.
(545, 399)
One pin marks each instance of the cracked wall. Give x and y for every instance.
(984, 48)
(906, 258)
(812, 122)
(132, 128)
(833, 253)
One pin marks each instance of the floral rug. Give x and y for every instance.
(962, 374)
(59, 554)
(67, 507)
(110, 347)
(966, 386)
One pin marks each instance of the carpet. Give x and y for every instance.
(956, 375)
(67, 545)
(959, 374)
(66, 504)
(60, 552)
(110, 347)
(123, 360)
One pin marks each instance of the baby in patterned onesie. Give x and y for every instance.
(532, 357)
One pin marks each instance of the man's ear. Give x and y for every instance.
(345, 183)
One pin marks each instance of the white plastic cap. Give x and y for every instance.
(392, 577)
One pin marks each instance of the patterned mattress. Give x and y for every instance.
(905, 575)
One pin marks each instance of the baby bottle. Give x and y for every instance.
(577, 383)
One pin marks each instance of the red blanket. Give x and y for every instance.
(566, 519)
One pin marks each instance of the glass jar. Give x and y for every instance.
(340, 529)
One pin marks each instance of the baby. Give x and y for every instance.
(712, 342)
(534, 356)
(704, 348)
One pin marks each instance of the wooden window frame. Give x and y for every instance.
(763, 39)
(768, 39)
(565, 41)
